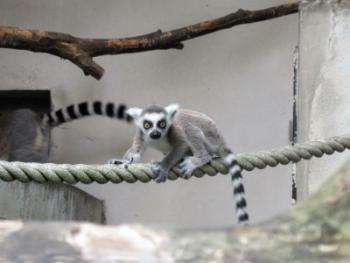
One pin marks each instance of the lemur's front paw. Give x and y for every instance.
(117, 161)
(187, 168)
(161, 173)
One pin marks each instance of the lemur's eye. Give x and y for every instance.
(162, 124)
(147, 125)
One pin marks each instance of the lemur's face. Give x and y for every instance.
(154, 125)
(153, 121)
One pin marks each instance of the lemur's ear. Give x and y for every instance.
(134, 113)
(171, 109)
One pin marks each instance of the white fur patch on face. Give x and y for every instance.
(153, 117)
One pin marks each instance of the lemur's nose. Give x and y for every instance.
(155, 134)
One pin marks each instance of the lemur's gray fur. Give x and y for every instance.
(187, 138)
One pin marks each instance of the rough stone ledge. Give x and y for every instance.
(316, 230)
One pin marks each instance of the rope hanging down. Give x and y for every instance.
(71, 174)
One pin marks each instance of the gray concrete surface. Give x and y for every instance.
(323, 88)
(241, 77)
(49, 202)
(24, 138)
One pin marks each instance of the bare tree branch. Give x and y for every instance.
(80, 51)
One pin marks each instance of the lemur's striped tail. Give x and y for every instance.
(84, 109)
(238, 189)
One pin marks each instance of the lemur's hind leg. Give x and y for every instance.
(201, 156)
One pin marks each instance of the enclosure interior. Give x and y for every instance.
(241, 77)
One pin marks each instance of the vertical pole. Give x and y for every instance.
(294, 123)
(323, 98)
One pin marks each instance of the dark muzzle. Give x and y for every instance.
(155, 135)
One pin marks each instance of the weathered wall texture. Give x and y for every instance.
(324, 80)
(24, 138)
(241, 77)
(32, 201)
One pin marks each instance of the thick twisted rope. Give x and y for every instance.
(71, 174)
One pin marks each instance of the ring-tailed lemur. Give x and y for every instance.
(84, 109)
(184, 136)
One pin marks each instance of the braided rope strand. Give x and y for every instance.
(87, 174)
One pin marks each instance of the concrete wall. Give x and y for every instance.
(241, 77)
(23, 138)
(32, 201)
(323, 89)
